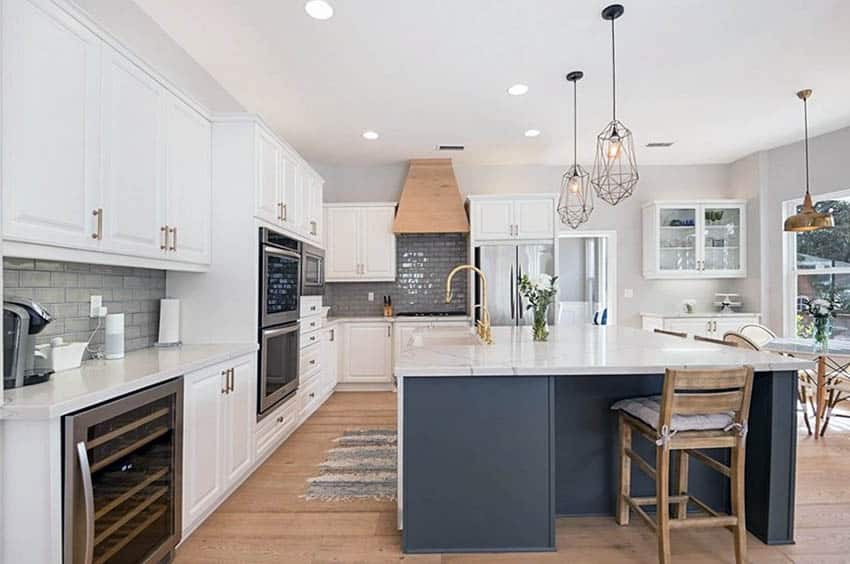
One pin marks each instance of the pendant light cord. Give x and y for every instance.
(575, 123)
(613, 73)
(806, 139)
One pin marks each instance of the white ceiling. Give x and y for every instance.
(717, 77)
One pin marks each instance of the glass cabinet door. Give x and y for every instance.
(721, 239)
(677, 239)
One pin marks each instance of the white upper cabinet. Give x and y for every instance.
(98, 154)
(269, 180)
(360, 242)
(288, 192)
(187, 180)
(133, 159)
(50, 126)
(704, 239)
(513, 218)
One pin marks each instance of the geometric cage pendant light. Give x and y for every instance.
(615, 173)
(576, 201)
(808, 218)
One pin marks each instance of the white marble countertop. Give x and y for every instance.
(101, 380)
(575, 350)
(683, 315)
(396, 319)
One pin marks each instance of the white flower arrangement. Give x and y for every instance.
(821, 308)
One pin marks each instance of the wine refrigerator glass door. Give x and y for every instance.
(123, 474)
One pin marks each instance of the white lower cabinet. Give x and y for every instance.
(368, 352)
(330, 357)
(218, 425)
(713, 326)
(275, 427)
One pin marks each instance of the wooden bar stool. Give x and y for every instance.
(698, 409)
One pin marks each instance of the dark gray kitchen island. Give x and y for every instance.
(496, 441)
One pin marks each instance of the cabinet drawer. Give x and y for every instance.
(310, 339)
(311, 323)
(270, 430)
(310, 305)
(311, 398)
(310, 359)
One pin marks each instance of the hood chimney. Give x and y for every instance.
(430, 200)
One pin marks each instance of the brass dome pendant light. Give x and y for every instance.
(808, 218)
(576, 201)
(615, 171)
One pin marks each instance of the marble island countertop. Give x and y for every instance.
(101, 380)
(588, 349)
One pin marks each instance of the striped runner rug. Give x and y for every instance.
(361, 465)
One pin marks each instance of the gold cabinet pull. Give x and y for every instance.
(232, 372)
(163, 231)
(280, 211)
(173, 239)
(283, 212)
(224, 388)
(98, 213)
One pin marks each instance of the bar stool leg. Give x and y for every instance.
(738, 510)
(682, 485)
(625, 472)
(662, 495)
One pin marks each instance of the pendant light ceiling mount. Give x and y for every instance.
(808, 218)
(615, 173)
(576, 200)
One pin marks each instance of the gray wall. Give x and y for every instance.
(64, 289)
(383, 183)
(423, 263)
(131, 26)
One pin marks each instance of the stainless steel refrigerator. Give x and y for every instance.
(503, 265)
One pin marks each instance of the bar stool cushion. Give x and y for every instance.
(648, 410)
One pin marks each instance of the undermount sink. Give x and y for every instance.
(465, 337)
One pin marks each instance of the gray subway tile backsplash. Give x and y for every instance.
(64, 289)
(423, 262)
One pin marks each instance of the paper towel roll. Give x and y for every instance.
(169, 321)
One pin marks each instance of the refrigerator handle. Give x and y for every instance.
(88, 499)
(513, 292)
(516, 295)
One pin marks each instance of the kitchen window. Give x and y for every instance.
(817, 265)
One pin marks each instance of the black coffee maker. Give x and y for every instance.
(23, 319)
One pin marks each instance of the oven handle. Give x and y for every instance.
(283, 331)
(88, 497)
(280, 252)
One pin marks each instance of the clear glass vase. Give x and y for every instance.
(823, 328)
(540, 325)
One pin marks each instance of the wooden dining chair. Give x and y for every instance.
(698, 409)
(672, 333)
(713, 340)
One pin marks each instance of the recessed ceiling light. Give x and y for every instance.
(518, 89)
(370, 135)
(319, 9)
(532, 133)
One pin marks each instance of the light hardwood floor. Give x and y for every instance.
(267, 520)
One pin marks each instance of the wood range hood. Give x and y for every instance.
(430, 200)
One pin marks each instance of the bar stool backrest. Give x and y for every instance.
(696, 391)
(740, 340)
(757, 333)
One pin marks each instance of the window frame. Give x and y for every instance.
(790, 272)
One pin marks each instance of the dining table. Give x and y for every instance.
(832, 363)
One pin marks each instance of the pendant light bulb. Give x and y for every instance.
(614, 148)
(573, 184)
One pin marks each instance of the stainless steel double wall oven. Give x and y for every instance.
(278, 334)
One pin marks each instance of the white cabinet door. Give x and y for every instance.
(268, 191)
(297, 213)
(188, 182)
(342, 243)
(133, 159)
(202, 442)
(289, 183)
(700, 326)
(724, 240)
(377, 243)
(368, 352)
(330, 356)
(313, 207)
(494, 219)
(318, 215)
(535, 219)
(240, 416)
(50, 119)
